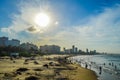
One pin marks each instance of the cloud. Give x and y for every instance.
(99, 31)
(32, 29)
(102, 29)
(24, 20)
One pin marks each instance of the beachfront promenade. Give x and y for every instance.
(47, 67)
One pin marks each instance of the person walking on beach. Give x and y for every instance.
(100, 70)
(115, 67)
(86, 65)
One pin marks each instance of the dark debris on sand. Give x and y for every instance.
(22, 70)
(31, 78)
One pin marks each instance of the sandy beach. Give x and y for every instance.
(48, 67)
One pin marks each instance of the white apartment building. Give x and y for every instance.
(50, 49)
(4, 41)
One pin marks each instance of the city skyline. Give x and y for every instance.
(53, 48)
(93, 24)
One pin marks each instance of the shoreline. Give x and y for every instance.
(105, 66)
(48, 67)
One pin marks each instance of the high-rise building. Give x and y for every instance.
(76, 50)
(94, 51)
(68, 51)
(73, 49)
(50, 49)
(3, 41)
(87, 51)
(13, 42)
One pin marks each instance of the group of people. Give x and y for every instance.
(100, 67)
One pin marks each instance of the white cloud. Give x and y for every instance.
(102, 29)
(22, 21)
(98, 31)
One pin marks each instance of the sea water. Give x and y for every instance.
(109, 64)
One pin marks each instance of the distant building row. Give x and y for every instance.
(50, 49)
(4, 41)
(73, 50)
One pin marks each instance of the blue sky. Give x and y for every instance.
(93, 24)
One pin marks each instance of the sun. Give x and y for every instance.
(42, 19)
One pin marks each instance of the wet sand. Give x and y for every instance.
(51, 67)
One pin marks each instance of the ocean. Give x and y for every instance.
(107, 67)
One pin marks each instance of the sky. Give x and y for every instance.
(92, 24)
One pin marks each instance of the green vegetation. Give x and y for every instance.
(25, 54)
(5, 51)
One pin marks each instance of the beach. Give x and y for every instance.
(47, 67)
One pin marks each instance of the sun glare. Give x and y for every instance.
(42, 19)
